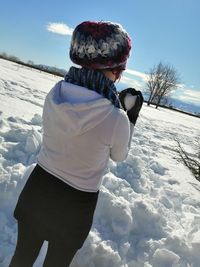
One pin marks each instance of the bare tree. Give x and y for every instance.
(162, 79)
(191, 161)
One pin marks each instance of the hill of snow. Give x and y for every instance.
(148, 214)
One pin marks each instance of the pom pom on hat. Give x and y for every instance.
(100, 45)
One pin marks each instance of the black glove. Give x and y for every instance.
(134, 111)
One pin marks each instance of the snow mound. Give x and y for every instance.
(149, 205)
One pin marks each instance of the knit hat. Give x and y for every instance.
(100, 45)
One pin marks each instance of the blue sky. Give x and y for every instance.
(166, 30)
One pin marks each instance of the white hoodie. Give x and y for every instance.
(82, 130)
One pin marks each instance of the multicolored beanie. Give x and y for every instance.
(100, 45)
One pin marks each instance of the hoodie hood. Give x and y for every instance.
(75, 109)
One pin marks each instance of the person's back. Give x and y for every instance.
(82, 130)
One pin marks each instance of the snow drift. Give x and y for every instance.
(148, 212)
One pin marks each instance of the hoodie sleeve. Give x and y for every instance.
(121, 140)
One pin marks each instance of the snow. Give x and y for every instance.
(148, 214)
(129, 101)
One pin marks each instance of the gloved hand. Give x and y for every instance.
(133, 112)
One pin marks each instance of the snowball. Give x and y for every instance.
(129, 101)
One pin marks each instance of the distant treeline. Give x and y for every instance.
(52, 70)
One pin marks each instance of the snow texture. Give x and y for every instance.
(148, 214)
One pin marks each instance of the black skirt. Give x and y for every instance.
(55, 208)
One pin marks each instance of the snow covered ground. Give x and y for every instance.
(148, 214)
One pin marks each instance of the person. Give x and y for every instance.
(85, 122)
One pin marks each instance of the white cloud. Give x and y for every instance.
(131, 82)
(191, 96)
(139, 74)
(59, 28)
(181, 85)
(188, 95)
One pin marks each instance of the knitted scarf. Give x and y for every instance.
(94, 80)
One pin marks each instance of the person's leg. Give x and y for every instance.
(28, 246)
(59, 254)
